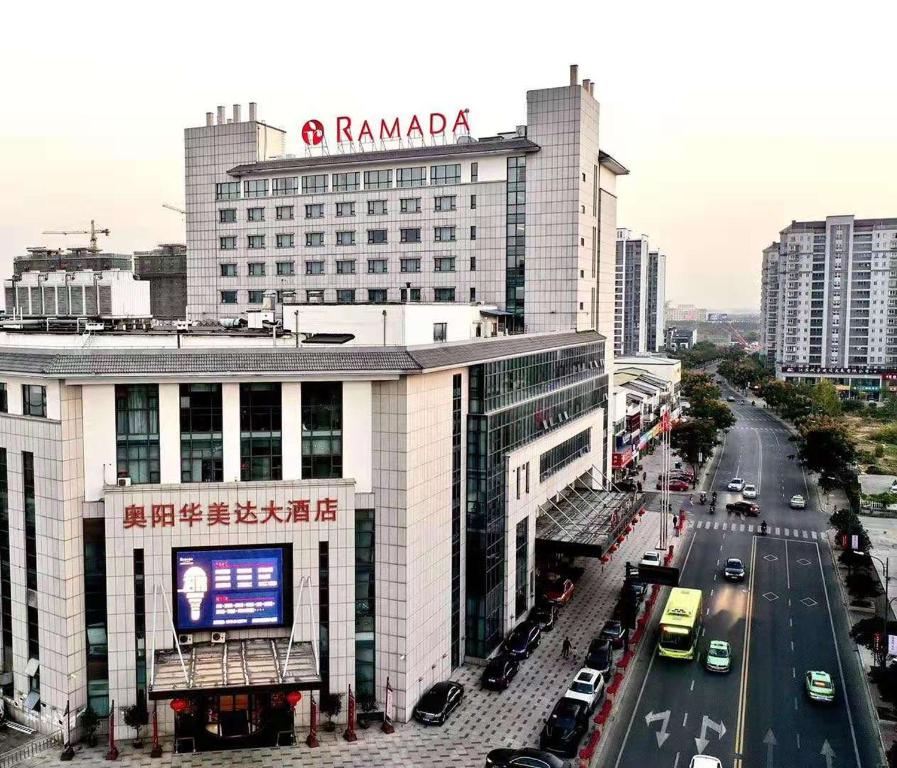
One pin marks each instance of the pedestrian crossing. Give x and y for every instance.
(750, 528)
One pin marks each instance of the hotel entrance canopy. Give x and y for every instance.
(583, 519)
(234, 666)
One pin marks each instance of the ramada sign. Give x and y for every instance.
(435, 123)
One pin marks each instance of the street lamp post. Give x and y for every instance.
(884, 618)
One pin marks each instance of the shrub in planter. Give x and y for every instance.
(331, 706)
(90, 721)
(367, 705)
(136, 716)
(861, 584)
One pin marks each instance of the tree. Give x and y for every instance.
(826, 400)
(826, 447)
(136, 716)
(714, 411)
(90, 721)
(694, 439)
(331, 705)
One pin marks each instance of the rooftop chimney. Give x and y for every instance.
(592, 88)
(252, 117)
(221, 118)
(574, 74)
(585, 84)
(236, 113)
(210, 118)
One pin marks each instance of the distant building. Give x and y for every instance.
(685, 313)
(165, 268)
(656, 301)
(109, 295)
(640, 289)
(680, 338)
(40, 259)
(769, 301)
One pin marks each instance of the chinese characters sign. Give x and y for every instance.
(221, 513)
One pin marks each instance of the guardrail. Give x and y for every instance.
(29, 749)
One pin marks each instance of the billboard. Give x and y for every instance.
(220, 588)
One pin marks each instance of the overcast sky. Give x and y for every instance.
(734, 119)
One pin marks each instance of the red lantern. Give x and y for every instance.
(605, 559)
(179, 705)
(294, 697)
(613, 548)
(641, 512)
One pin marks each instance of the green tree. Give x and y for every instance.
(826, 399)
(694, 439)
(826, 447)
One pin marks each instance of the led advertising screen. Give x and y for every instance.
(232, 588)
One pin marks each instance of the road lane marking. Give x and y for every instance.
(795, 703)
(745, 658)
(760, 468)
(685, 719)
(814, 535)
(786, 532)
(676, 761)
(692, 686)
(798, 740)
(778, 531)
(787, 568)
(792, 646)
(856, 749)
(793, 673)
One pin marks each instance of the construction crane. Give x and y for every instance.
(93, 232)
(174, 208)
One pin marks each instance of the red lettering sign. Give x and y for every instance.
(191, 513)
(135, 517)
(271, 510)
(389, 132)
(219, 514)
(162, 515)
(299, 510)
(326, 511)
(390, 128)
(313, 132)
(246, 513)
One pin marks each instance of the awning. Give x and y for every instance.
(583, 519)
(235, 666)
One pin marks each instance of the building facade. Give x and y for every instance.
(40, 259)
(829, 295)
(640, 297)
(165, 269)
(655, 309)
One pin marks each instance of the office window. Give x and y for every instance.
(345, 209)
(346, 182)
(228, 297)
(443, 294)
(260, 435)
(314, 239)
(409, 205)
(443, 234)
(473, 232)
(314, 211)
(377, 295)
(228, 270)
(473, 263)
(314, 267)
(315, 296)
(411, 177)
(414, 294)
(445, 174)
(345, 267)
(255, 214)
(285, 240)
(255, 241)
(285, 269)
(229, 190)
(365, 551)
(202, 441)
(345, 296)
(324, 614)
(228, 243)
(439, 331)
(256, 296)
(410, 235)
(409, 265)
(444, 263)
(4, 403)
(137, 432)
(473, 293)
(322, 429)
(346, 237)
(473, 202)
(139, 621)
(377, 208)
(376, 236)
(285, 186)
(255, 188)
(474, 173)
(445, 203)
(378, 179)
(314, 184)
(256, 269)
(285, 212)
(31, 615)
(376, 266)
(34, 400)
(227, 215)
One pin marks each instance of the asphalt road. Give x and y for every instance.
(787, 614)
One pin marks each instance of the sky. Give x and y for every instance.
(733, 118)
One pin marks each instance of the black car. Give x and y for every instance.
(523, 758)
(565, 727)
(499, 672)
(544, 614)
(523, 640)
(438, 703)
(637, 587)
(614, 631)
(734, 570)
(600, 656)
(745, 508)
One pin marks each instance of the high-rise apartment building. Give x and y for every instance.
(829, 295)
(656, 301)
(639, 303)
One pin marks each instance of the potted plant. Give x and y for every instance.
(90, 721)
(136, 716)
(368, 706)
(331, 706)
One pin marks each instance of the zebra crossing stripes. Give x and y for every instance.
(792, 533)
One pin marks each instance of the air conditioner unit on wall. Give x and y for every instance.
(185, 639)
(123, 481)
(219, 637)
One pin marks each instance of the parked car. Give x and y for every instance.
(650, 558)
(718, 657)
(499, 672)
(736, 484)
(438, 703)
(523, 758)
(523, 640)
(705, 761)
(628, 486)
(545, 615)
(730, 399)
(797, 502)
(600, 656)
(746, 508)
(638, 587)
(675, 484)
(749, 492)
(565, 727)
(734, 570)
(820, 686)
(560, 591)
(614, 631)
(587, 686)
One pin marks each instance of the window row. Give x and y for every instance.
(349, 295)
(34, 400)
(343, 266)
(344, 238)
(441, 204)
(351, 181)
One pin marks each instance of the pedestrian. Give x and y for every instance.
(638, 487)
(644, 475)
(565, 648)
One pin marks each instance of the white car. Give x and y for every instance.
(797, 502)
(650, 558)
(749, 491)
(735, 484)
(705, 761)
(587, 686)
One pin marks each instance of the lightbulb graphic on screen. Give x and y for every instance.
(196, 584)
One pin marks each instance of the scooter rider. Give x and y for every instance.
(703, 497)
(712, 508)
(763, 528)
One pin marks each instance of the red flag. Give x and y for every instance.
(665, 421)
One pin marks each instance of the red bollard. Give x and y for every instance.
(156, 751)
(349, 734)
(112, 754)
(312, 740)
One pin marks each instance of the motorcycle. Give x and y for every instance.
(712, 508)
(703, 498)
(763, 528)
